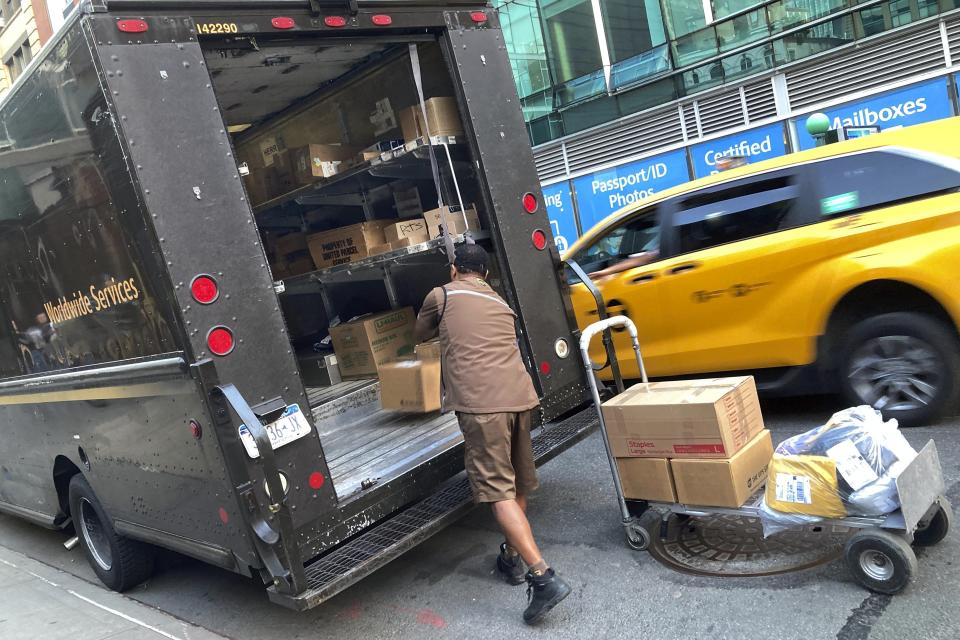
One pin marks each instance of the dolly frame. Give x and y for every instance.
(880, 556)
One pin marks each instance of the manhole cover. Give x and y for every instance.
(724, 545)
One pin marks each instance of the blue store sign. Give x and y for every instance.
(559, 206)
(912, 105)
(755, 144)
(600, 194)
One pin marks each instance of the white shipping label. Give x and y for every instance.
(793, 489)
(850, 463)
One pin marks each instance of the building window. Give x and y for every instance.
(524, 39)
(636, 39)
(10, 7)
(18, 60)
(572, 44)
(684, 16)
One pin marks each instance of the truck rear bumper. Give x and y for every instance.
(336, 570)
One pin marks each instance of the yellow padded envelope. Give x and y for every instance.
(804, 484)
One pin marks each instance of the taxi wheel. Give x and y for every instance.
(907, 365)
(120, 563)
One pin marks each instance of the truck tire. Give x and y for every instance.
(905, 364)
(120, 563)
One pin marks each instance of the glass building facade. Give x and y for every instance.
(581, 63)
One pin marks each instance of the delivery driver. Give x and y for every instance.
(486, 383)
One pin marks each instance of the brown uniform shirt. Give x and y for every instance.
(481, 364)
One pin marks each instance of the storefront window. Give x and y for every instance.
(524, 39)
(684, 16)
(572, 46)
(787, 14)
(695, 47)
(742, 30)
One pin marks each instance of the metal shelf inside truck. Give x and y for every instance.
(411, 160)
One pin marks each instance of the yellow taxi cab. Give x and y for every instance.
(834, 269)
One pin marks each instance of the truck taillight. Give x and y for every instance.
(335, 21)
(545, 368)
(315, 480)
(204, 289)
(220, 341)
(132, 26)
(283, 22)
(530, 203)
(539, 239)
(381, 20)
(478, 16)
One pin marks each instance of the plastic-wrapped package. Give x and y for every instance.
(847, 466)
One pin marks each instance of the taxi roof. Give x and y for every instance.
(939, 137)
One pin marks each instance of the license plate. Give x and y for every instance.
(292, 425)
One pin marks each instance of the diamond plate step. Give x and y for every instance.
(348, 564)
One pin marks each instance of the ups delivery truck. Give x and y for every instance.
(191, 195)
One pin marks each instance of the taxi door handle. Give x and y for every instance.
(683, 268)
(644, 278)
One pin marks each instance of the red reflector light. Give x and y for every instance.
(335, 21)
(478, 16)
(282, 22)
(381, 20)
(545, 368)
(220, 341)
(539, 240)
(204, 289)
(315, 480)
(132, 26)
(196, 429)
(224, 516)
(530, 203)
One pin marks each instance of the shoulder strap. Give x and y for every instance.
(443, 310)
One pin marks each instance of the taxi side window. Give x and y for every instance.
(861, 181)
(744, 210)
(637, 235)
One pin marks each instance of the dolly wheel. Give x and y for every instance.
(932, 530)
(880, 561)
(640, 532)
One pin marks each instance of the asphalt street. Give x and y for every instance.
(445, 588)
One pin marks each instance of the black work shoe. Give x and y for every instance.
(544, 592)
(510, 568)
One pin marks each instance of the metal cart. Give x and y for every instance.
(880, 554)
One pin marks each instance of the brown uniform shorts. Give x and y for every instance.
(498, 454)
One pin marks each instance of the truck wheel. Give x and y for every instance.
(931, 531)
(880, 561)
(907, 365)
(119, 562)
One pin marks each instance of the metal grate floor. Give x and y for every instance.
(366, 553)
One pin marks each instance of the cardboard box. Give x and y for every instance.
(411, 385)
(443, 117)
(410, 123)
(257, 184)
(290, 243)
(724, 483)
(412, 228)
(452, 218)
(346, 244)
(377, 249)
(319, 161)
(711, 418)
(407, 202)
(646, 479)
(364, 344)
(428, 350)
(300, 266)
(403, 243)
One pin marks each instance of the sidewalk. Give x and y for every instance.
(38, 601)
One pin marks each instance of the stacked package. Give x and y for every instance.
(848, 466)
